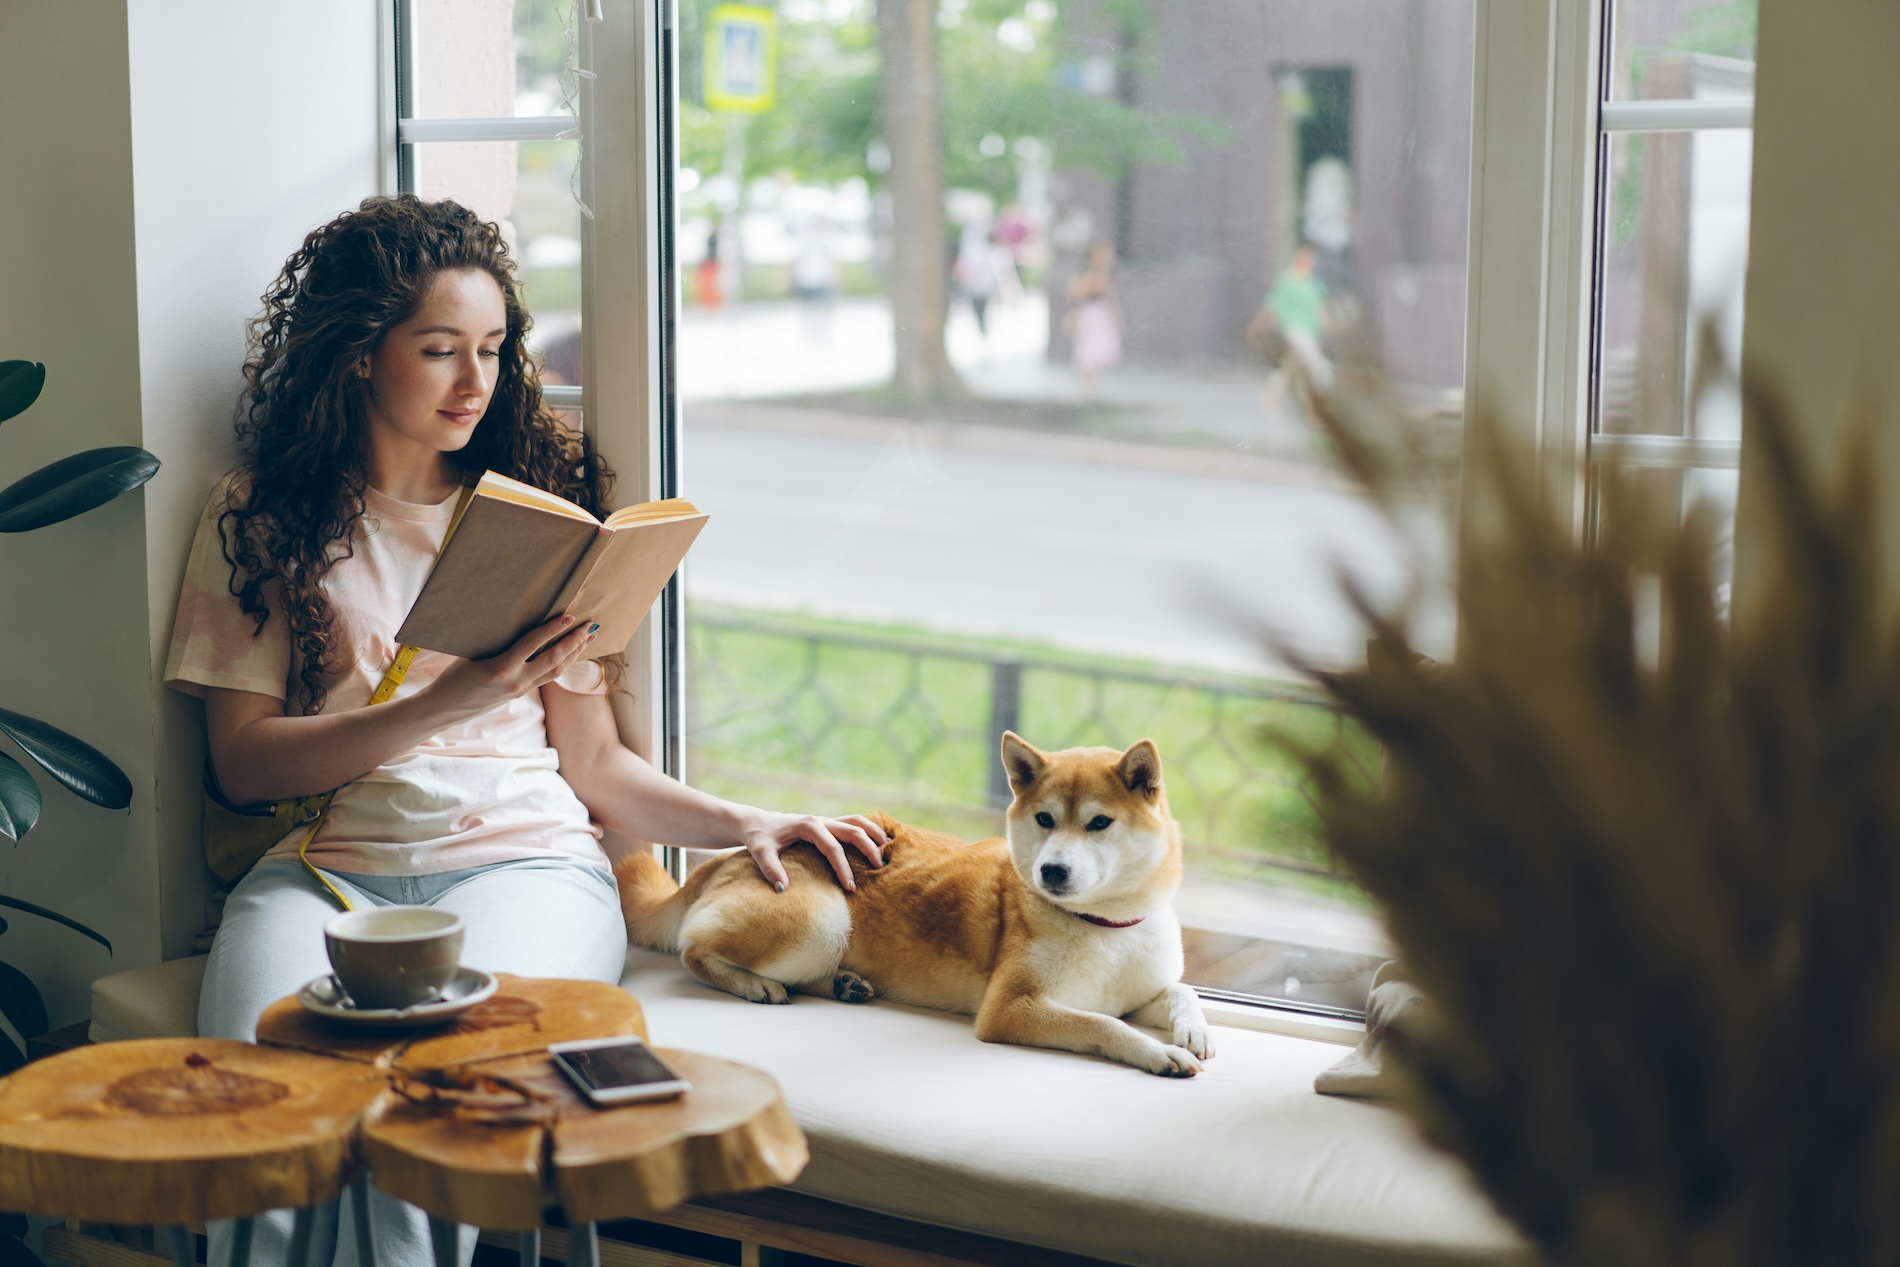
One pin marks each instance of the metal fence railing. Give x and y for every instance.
(814, 719)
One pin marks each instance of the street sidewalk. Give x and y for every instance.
(834, 358)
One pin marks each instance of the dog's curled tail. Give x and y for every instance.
(649, 901)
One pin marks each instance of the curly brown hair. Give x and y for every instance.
(303, 425)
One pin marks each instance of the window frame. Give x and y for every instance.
(1649, 116)
(626, 399)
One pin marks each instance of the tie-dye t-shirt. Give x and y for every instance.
(488, 790)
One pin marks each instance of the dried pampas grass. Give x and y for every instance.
(1654, 904)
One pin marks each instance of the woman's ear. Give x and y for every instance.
(362, 368)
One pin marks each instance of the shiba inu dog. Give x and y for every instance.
(1050, 937)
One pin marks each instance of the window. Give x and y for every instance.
(487, 115)
(967, 360)
(1672, 244)
(995, 437)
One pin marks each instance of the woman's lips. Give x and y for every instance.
(458, 415)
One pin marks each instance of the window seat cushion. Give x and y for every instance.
(910, 1115)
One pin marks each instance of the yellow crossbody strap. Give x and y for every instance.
(384, 692)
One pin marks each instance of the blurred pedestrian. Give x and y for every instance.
(815, 275)
(1289, 326)
(976, 273)
(1094, 320)
(706, 273)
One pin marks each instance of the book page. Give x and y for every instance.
(505, 489)
(647, 512)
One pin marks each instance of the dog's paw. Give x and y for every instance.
(1169, 1062)
(849, 987)
(1194, 1036)
(765, 990)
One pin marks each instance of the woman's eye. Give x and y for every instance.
(1045, 819)
(1100, 822)
(437, 354)
(491, 353)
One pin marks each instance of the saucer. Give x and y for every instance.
(465, 989)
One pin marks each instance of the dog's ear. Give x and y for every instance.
(1022, 761)
(1140, 769)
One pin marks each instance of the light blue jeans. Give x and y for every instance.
(541, 917)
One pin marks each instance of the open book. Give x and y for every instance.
(517, 556)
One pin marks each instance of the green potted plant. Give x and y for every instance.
(59, 491)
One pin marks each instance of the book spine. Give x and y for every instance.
(578, 577)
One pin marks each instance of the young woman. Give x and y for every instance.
(388, 370)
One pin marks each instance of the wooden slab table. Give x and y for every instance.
(470, 1122)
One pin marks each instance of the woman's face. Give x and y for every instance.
(431, 377)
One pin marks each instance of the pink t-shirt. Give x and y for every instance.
(488, 790)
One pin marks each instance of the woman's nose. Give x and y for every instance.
(474, 378)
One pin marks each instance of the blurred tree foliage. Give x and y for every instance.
(1725, 29)
(1010, 69)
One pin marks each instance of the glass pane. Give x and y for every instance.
(526, 188)
(995, 435)
(482, 58)
(1680, 493)
(1679, 49)
(1676, 255)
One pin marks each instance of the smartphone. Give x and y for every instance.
(617, 1070)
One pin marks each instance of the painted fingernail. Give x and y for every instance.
(594, 628)
(781, 886)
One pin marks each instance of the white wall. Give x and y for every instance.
(74, 616)
(251, 125)
(1824, 259)
(160, 160)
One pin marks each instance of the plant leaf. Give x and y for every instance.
(11, 1058)
(73, 486)
(80, 766)
(31, 909)
(14, 1253)
(19, 799)
(20, 1002)
(20, 384)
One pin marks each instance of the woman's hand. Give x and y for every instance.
(469, 688)
(767, 834)
(629, 797)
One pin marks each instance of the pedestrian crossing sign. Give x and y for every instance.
(741, 59)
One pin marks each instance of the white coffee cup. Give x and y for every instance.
(394, 956)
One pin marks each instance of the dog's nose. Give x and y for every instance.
(1054, 875)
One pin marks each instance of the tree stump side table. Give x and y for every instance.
(470, 1122)
(179, 1130)
(478, 1126)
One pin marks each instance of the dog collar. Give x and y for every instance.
(1109, 923)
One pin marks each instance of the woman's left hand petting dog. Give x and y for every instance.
(1059, 935)
(768, 834)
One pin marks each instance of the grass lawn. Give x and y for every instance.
(837, 717)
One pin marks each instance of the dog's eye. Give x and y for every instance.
(1100, 822)
(1045, 819)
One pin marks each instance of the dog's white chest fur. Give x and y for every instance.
(1111, 971)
